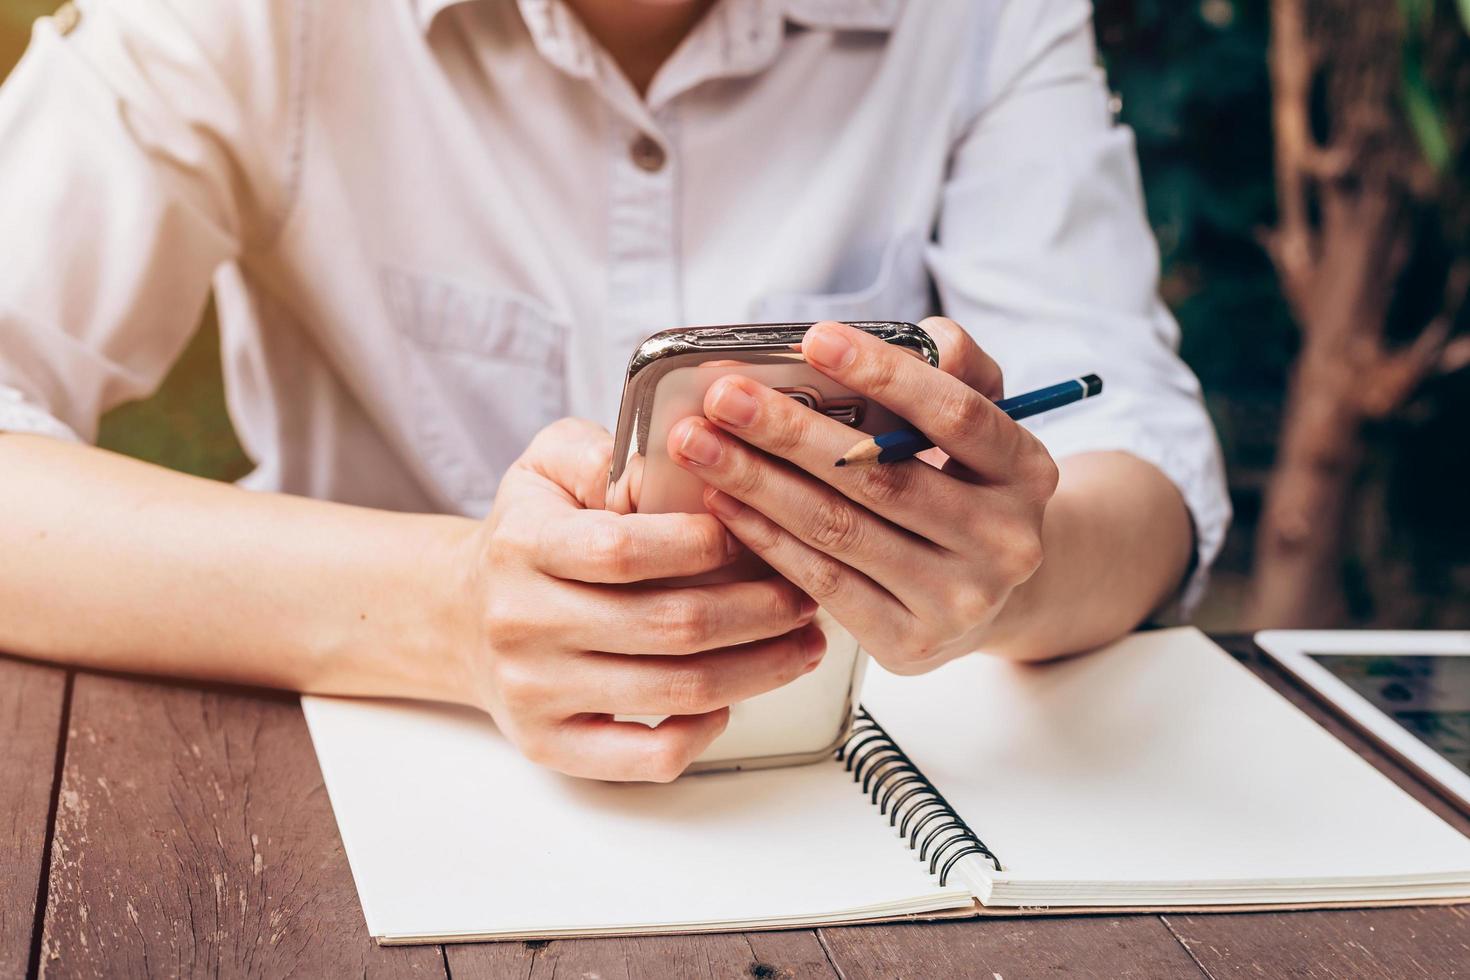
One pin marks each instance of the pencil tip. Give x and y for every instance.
(840, 462)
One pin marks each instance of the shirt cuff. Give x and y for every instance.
(19, 415)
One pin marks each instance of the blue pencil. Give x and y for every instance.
(901, 444)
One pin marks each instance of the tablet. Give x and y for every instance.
(1409, 691)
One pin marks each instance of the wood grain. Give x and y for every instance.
(1366, 944)
(792, 955)
(31, 700)
(193, 836)
(1133, 946)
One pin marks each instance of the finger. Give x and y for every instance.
(956, 417)
(600, 546)
(681, 620)
(574, 455)
(869, 612)
(961, 357)
(911, 494)
(816, 514)
(698, 683)
(623, 496)
(597, 747)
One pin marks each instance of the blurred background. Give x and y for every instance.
(1307, 168)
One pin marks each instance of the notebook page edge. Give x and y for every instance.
(310, 705)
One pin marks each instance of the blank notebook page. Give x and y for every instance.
(1157, 759)
(450, 832)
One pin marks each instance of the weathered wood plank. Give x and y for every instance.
(1367, 944)
(789, 955)
(1079, 946)
(193, 836)
(31, 701)
(793, 955)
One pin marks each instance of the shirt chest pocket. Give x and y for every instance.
(487, 370)
(900, 290)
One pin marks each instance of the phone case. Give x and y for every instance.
(806, 720)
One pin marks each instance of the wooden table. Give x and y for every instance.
(159, 829)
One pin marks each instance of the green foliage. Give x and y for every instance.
(1195, 89)
(184, 426)
(1421, 106)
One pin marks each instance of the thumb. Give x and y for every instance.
(574, 455)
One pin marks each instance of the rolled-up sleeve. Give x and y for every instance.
(121, 192)
(1044, 253)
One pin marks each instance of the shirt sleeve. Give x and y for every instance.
(123, 186)
(1043, 252)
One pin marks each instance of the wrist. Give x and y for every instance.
(405, 625)
(1116, 538)
(460, 573)
(452, 588)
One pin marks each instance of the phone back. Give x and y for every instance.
(807, 719)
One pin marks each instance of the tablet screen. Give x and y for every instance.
(1428, 695)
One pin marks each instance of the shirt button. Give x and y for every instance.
(647, 154)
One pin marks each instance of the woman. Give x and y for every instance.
(436, 229)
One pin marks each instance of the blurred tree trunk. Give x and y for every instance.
(1350, 180)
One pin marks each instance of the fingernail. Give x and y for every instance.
(826, 347)
(699, 445)
(722, 505)
(815, 643)
(732, 405)
(808, 607)
(732, 547)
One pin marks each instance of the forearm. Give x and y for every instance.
(116, 564)
(1117, 541)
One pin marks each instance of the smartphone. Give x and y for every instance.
(668, 376)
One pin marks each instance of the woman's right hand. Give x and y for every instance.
(574, 626)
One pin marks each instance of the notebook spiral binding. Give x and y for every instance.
(905, 796)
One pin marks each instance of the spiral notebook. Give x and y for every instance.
(1156, 773)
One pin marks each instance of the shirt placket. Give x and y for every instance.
(644, 293)
(642, 235)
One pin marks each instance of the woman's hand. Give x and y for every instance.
(575, 627)
(916, 559)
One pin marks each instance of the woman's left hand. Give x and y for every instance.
(915, 559)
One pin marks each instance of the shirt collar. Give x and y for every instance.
(841, 15)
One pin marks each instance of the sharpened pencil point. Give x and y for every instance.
(862, 454)
(840, 462)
